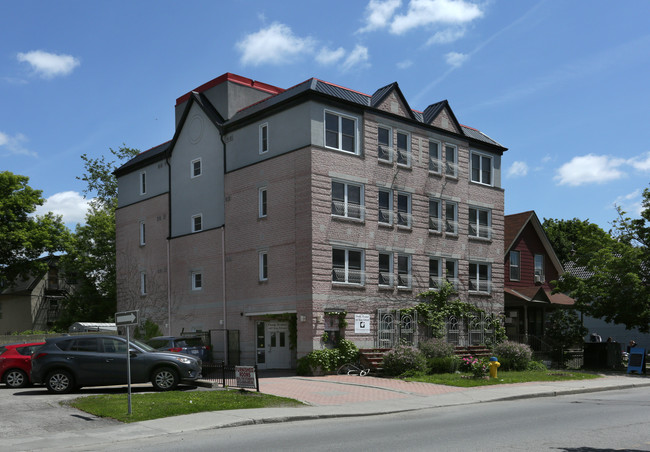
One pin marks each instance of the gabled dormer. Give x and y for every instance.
(440, 115)
(390, 99)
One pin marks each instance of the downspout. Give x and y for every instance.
(223, 256)
(169, 231)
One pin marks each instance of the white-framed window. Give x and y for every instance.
(143, 283)
(195, 168)
(386, 273)
(197, 280)
(451, 160)
(143, 236)
(347, 200)
(404, 277)
(261, 196)
(384, 144)
(348, 266)
(385, 205)
(435, 225)
(341, 132)
(263, 266)
(539, 268)
(515, 266)
(197, 223)
(451, 272)
(435, 272)
(404, 210)
(451, 218)
(480, 277)
(264, 138)
(480, 221)
(143, 183)
(435, 162)
(481, 168)
(403, 148)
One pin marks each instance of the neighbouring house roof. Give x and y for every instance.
(25, 286)
(540, 295)
(514, 226)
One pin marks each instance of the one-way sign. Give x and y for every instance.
(126, 318)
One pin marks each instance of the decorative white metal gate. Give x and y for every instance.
(396, 328)
(468, 331)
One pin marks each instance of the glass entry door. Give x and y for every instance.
(273, 350)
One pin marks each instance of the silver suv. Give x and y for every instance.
(70, 362)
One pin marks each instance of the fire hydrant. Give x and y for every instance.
(494, 365)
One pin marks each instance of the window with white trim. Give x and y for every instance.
(539, 268)
(197, 223)
(435, 267)
(451, 218)
(262, 194)
(143, 237)
(385, 144)
(404, 210)
(195, 168)
(404, 278)
(434, 157)
(348, 266)
(481, 168)
(434, 215)
(386, 274)
(264, 266)
(347, 200)
(143, 183)
(480, 221)
(480, 278)
(515, 266)
(340, 132)
(264, 138)
(403, 149)
(197, 280)
(451, 272)
(143, 283)
(451, 160)
(385, 205)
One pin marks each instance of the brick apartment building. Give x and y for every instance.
(273, 216)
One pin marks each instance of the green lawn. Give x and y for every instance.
(146, 406)
(503, 377)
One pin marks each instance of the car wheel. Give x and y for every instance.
(59, 382)
(16, 378)
(164, 379)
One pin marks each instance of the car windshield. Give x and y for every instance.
(190, 342)
(142, 345)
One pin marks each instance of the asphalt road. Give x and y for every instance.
(595, 422)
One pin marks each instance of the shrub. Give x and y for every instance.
(513, 355)
(436, 348)
(476, 366)
(327, 359)
(443, 365)
(536, 366)
(404, 359)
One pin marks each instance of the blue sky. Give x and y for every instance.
(563, 85)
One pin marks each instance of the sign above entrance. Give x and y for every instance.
(362, 323)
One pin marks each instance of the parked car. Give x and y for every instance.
(189, 345)
(70, 362)
(16, 363)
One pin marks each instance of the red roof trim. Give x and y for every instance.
(229, 77)
(157, 146)
(463, 125)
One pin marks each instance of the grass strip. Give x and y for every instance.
(147, 406)
(503, 377)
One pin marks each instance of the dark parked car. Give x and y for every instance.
(189, 345)
(69, 362)
(16, 363)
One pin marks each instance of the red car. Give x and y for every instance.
(16, 363)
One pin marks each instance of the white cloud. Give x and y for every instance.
(446, 36)
(275, 44)
(327, 56)
(379, 13)
(404, 64)
(589, 169)
(13, 145)
(422, 13)
(630, 203)
(358, 57)
(641, 163)
(69, 204)
(518, 169)
(49, 65)
(456, 59)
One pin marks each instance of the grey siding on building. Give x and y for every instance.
(157, 183)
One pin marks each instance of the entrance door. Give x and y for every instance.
(273, 350)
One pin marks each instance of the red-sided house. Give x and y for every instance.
(530, 264)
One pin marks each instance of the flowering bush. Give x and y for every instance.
(404, 359)
(436, 348)
(478, 367)
(513, 355)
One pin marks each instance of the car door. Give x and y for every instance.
(113, 351)
(87, 363)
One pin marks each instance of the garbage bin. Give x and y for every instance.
(601, 355)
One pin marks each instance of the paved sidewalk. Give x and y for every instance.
(328, 397)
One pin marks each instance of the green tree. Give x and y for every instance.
(575, 240)
(24, 236)
(90, 258)
(564, 330)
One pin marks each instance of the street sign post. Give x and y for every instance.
(126, 319)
